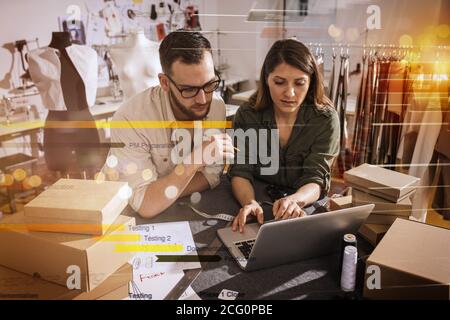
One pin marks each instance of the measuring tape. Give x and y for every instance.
(219, 216)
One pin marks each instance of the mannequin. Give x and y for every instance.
(66, 76)
(137, 63)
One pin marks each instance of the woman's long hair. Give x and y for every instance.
(297, 55)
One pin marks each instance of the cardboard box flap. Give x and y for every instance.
(79, 198)
(381, 180)
(415, 248)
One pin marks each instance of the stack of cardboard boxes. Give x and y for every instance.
(389, 190)
(64, 245)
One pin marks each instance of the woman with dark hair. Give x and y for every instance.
(290, 98)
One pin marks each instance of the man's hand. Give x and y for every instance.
(215, 151)
(286, 208)
(252, 208)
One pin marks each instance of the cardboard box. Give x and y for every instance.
(390, 185)
(114, 282)
(414, 263)
(118, 294)
(15, 285)
(77, 206)
(340, 203)
(376, 193)
(373, 232)
(382, 219)
(382, 206)
(53, 255)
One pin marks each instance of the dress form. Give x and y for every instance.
(70, 150)
(137, 63)
(71, 82)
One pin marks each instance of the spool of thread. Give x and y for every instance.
(347, 240)
(348, 275)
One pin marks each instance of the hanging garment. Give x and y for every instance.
(392, 105)
(320, 61)
(406, 91)
(113, 20)
(396, 88)
(45, 70)
(441, 202)
(153, 14)
(379, 108)
(443, 143)
(367, 112)
(335, 98)
(359, 114)
(331, 83)
(373, 110)
(389, 139)
(344, 160)
(425, 117)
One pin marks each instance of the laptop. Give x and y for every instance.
(283, 241)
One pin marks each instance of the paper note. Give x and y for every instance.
(153, 286)
(226, 294)
(189, 294)
(162, 239)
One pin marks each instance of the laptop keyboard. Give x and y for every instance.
(245, 247)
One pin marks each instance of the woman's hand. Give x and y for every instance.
(285, 208)
(252, 208)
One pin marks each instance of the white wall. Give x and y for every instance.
(245, 51)
(241, 44)
(27, 19)
(30, 19)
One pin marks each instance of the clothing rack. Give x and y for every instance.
(380, 73)
(375, 46)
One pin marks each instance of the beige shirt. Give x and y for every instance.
(146, 154)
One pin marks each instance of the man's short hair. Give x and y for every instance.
(187, 46)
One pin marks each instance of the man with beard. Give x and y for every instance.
(151, 125)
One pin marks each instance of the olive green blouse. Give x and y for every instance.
(306, 158)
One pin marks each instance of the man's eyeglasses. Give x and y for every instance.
(190, 92)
